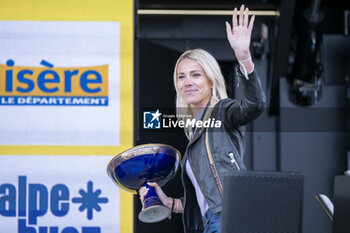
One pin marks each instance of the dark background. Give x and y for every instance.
(312, 139)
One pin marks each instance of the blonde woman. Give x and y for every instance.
(212, 151)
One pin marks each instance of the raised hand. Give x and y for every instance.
(240, 33)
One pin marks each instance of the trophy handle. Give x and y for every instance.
(153, 209)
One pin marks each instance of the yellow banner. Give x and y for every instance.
(79, 10)
(60, 81)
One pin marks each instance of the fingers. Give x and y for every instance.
(158, 189)
(251, 23)
(143, 192)
(153, 184)
(246, 17)
(162, 196)
(228, 30)
(234, 18)
(241, 16)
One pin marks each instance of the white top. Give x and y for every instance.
(203, 205)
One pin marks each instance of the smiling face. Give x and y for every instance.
(192, 83)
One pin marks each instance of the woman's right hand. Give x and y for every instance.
(167, 201)
(239, 35)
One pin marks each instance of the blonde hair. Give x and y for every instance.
(212, 70)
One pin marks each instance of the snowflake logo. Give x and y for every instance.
(89, 200)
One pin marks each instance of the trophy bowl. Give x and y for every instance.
(133, 168)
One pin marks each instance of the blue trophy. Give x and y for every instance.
(133, 168)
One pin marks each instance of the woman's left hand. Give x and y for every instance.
(240, 33)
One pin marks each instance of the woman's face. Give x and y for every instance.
(193, 84)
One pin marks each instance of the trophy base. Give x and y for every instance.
(155, 213)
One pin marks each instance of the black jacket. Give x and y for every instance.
(226, 147)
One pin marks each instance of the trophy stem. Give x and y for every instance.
(153, 209)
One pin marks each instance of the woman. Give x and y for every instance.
(211, 152)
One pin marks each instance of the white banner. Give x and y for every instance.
(57, 194)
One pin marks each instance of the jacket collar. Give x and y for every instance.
(206, 114)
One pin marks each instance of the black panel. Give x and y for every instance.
(341, 204)
(156, 91)
(264, 202)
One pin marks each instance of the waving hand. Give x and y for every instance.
(240, 33)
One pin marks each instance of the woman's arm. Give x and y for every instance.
(239, 37)
(247, 109)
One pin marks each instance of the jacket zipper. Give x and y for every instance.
(234, 161)
(212, 165)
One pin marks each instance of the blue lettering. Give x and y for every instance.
(46, 63)
(53, 229)
(42, 229)
(9, 76)
(22, 79)
(22, 227)
(27, 83)
(68, 74)
(22, 193)
(84, 81)
(8, 200)
(91, 230)
(37, 191)
(38, 206)
(70, 230)
(42, 80)
(59, 192)
(10, 63)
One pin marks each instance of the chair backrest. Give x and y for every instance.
(341, 222)
(262, 202)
